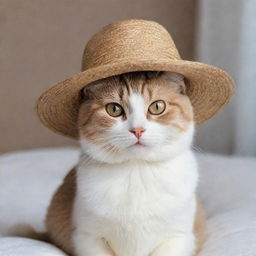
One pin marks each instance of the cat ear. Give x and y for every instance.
(85, 93)
(88, 91)
(177, 79)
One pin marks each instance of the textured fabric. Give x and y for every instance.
(227, 189)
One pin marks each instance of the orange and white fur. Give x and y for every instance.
(132, 192)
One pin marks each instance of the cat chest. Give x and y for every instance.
(135, 196)
(128, 213)
(131, 208)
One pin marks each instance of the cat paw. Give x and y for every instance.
(178, 246)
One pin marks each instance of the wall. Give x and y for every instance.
(41, 43)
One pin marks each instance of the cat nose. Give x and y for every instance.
(137, 131)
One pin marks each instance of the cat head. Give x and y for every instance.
(138, 115)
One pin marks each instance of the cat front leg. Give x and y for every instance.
(183, 245)
(87, 245)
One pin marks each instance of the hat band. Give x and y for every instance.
(101, 60)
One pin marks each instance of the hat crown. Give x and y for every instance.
(130, 46)
(127, 40)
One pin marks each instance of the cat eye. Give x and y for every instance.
(157, 107)
(114, 109)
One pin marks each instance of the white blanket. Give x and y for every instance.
(227, 188)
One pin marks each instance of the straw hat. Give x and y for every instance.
(126, 46)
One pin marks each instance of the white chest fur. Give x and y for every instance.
(137, 205)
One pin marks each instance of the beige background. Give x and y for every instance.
(41, 43)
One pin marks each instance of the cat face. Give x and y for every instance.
(140, 115)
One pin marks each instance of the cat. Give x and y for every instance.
(132, 192)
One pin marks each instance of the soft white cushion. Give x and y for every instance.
(28, 180)
(228, 191)
(17, 246)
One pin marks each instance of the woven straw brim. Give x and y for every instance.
(209, 90)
